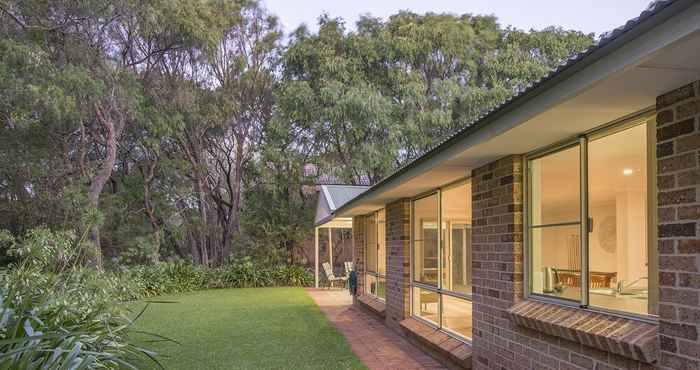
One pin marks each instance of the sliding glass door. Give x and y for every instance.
(441, 243)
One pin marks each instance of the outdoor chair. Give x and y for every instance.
(348, 267)
(331, 277)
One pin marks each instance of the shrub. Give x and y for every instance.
(177, 277)
(67, 319)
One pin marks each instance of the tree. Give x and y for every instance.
(374, 98)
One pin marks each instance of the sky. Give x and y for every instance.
(595, 16)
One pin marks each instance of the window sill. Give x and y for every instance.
(439, 343)
(373, 304)
(633, 339)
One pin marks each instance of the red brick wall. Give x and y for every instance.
(678, 182)
(358, 240)
(398, 256)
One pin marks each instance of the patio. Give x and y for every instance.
(377, 346)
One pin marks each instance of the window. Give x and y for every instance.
(442, 286)
(589, 241)
(375, 254)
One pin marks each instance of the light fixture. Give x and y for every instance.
(627, 171)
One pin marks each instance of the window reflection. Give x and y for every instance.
(555, 233)
(425, 242)
(456, 238)
(457, 315)
(617, 188)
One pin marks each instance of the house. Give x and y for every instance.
(561, 229)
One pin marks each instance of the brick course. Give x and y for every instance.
(678, 138)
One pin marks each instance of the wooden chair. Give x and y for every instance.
(331, 277)
(572, 278)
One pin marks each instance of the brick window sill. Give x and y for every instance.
(373, 304)
(439, 343)
(629, 338)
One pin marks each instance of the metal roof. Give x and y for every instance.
(574, 63)
(332, 197)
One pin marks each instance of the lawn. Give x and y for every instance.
(263, 328)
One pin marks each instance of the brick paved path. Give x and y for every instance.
(377, 346)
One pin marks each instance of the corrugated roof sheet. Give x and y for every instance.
(332, 197)
(341, 194)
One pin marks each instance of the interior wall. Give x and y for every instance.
(622, 210)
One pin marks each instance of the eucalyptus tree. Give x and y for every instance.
(96, 55)
(242, 66)
(382, 94)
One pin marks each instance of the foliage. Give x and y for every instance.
(65, 320)
(366, 101)
(178, 277)
(193, 130)
(54, 313)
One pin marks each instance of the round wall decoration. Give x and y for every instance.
(607, 234)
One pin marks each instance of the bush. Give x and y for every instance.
(68, 319)
(177, 277)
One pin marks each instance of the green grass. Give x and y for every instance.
(261, 328)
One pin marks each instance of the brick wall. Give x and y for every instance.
(398, 256)
(678, 182)
(497, 275)
(358, 240)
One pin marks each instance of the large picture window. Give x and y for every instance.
(441, 244)
(375, 254)
(589, 206)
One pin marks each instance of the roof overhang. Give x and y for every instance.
(623, 77)
(336, 223)
(330, 197)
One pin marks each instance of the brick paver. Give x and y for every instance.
(377, 346)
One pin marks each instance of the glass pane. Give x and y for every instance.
(371, 243)
(425, 243)
(457, 315)
(381, 241)
(371, 286)
(341, 250)
(618, 250)
(556, 261)
(425, 304)
(323, 250)
(381, 287)
(554, 188)
(456, 256)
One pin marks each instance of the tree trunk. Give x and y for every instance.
(233, 223)
(100, 179)
(156, 223)
(203, 222)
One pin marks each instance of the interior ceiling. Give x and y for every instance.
(617, 164)
(630, 90)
